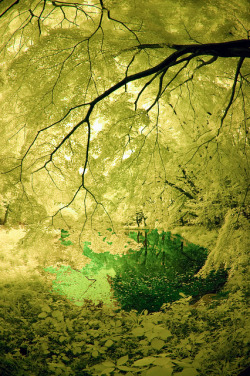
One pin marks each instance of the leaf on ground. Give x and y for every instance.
(157, 343)
(122, 360)
(145, 361)
(138, 332)
(108, 343)
(187, 372)
(159, 371)
(165, 362)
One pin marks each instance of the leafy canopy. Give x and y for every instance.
(119, 106)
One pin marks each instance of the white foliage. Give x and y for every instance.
(232, 247)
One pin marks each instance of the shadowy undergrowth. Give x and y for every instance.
(43, 333)
(161, 272)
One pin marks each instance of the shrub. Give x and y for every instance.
(161, 272)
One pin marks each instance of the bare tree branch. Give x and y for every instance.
(6, 10)
(236, 48)
(185, 193)
(237, 73)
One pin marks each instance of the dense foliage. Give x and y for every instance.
(43, 334)
(110, 108)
